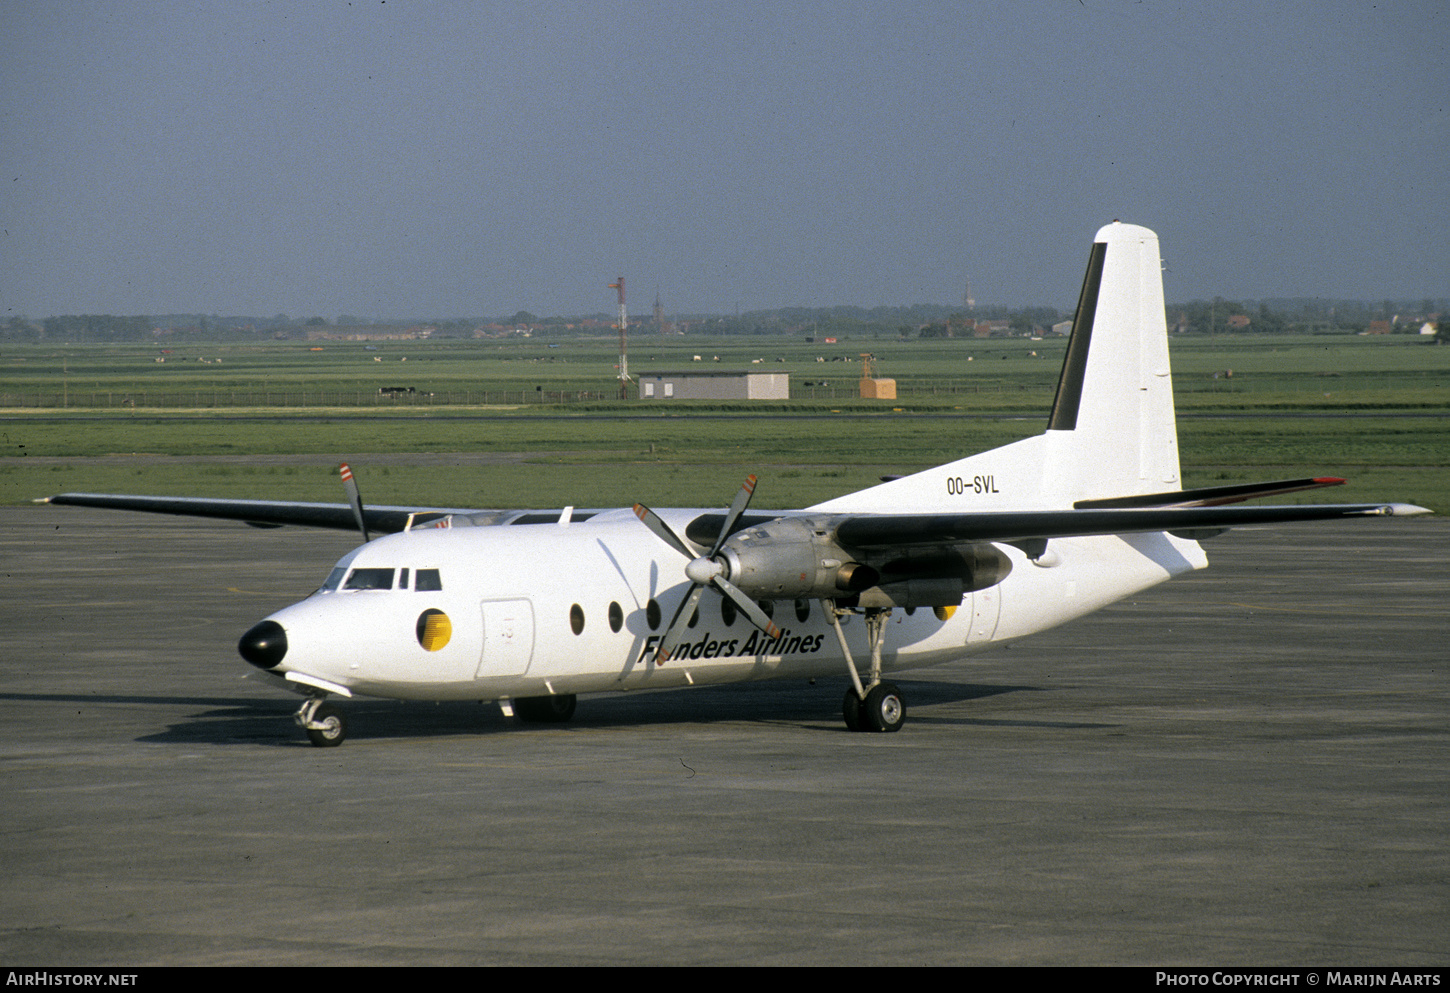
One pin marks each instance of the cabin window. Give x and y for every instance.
(652, 614)
(370, 579)
(728, 611)
(768, 606)
(802, 610)
(616, 617)
(427, 581)
(576, 619)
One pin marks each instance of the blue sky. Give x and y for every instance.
(411, 159)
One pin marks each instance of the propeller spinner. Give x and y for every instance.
(703, 571)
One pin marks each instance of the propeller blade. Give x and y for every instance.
(704, 571)
(662, 530)
(355, 498)
(679, 624)
(737, 507)
(747, 606)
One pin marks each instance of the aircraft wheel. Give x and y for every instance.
(851, 710)
(546, 709)
(333, 730)
(884, 709)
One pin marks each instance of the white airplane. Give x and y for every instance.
(532, 608)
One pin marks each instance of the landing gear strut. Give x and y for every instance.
(874, 706)
(325, 724)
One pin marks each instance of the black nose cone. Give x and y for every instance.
(265, 645)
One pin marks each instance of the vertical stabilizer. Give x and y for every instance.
(1111, 432)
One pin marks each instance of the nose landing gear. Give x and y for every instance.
(325, 724)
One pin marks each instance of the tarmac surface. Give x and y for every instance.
(1248, 766)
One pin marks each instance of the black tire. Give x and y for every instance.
(884, 709)
(546, 709)
(851, 710)
(335, 731)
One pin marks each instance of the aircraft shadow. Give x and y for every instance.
(268, 721)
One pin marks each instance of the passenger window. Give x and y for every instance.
(728, 611)
(427, 581)
(576, 619)
(616, 617)
(370, 579)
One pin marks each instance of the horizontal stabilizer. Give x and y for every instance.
(1211, 496)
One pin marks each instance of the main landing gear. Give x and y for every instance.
(325, 724)
(874, 706)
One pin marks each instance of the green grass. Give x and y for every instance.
(804, 450)
(991, 375)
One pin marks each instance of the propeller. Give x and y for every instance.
(354, 498)
(704, 571)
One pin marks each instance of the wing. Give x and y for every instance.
(265, 513)
(893, 530)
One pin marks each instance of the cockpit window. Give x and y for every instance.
(427, 581)
(370, 579)
(334, 579)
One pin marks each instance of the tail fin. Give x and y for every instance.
(1112, 430)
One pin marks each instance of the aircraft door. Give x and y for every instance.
(986, 606)
(508, 638)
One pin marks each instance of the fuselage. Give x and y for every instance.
(545, 609)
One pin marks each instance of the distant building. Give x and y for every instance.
(370, 333)
(874, 387)
(878, 389)
(722, 385)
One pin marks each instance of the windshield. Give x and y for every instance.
(425, 580)
(370, 579)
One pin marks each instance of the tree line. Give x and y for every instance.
(918, 320)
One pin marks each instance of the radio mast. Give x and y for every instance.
(623, 350)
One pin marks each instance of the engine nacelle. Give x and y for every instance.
(793, 558)
(799, 558)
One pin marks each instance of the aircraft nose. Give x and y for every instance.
(265, 645)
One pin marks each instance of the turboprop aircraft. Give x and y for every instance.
(532, 608)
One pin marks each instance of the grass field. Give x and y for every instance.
(1268, 372)
(1374, 410)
